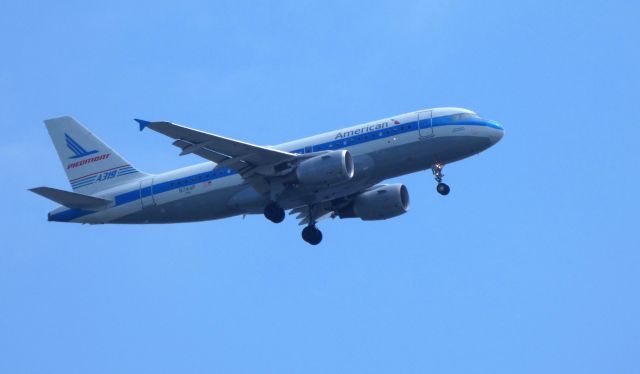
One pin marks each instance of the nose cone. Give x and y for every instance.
(496, 131)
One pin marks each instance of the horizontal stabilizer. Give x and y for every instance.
(72, 200)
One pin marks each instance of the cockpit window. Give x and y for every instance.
(463, 116)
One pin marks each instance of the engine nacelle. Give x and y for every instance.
(378, 203)
(326, 169)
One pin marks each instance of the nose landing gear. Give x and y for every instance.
(442, 188)
(311, 234)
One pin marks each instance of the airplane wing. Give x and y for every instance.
(225, 152)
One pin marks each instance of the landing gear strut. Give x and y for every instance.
(311, 234)
(442, 188)
(274, 213)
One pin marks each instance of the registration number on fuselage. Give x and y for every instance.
(187, 189)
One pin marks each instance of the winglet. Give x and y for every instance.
(142, 123)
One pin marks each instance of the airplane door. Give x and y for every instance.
(146, 193)
(425, 123)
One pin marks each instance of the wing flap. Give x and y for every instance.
(319, 212)
(203, 152)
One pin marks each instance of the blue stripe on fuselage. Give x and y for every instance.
(174, 184)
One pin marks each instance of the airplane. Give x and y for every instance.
(334, 174)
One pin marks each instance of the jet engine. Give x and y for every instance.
(378, 203)
(326, 169)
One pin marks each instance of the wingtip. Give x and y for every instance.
(142, 123)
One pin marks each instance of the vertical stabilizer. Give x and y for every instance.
(90, 164)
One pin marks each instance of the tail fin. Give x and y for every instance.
(91, 165)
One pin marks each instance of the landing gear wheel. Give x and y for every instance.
(443, 189)
(274, 213)
(312, 235)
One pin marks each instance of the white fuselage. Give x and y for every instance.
(380, 149)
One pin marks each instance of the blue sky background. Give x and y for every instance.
(530, 265)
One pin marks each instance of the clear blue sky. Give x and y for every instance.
(530, 265)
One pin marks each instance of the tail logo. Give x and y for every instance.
(77, 149)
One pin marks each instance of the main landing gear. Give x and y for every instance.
(274, 213)
(442, 188)
(311, 234)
